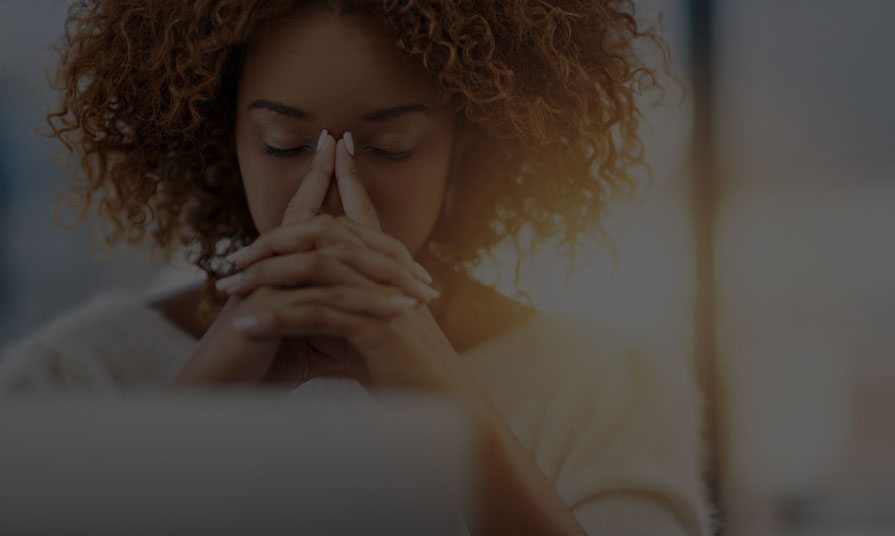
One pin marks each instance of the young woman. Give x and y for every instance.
(340, 166)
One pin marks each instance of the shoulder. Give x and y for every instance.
(574, 368)
(602, 415)
(111, 338)
(575, 349)
(554, 348)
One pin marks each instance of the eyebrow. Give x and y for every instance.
(374, 116)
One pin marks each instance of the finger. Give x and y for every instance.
(320, 233)
(300, 321)
(304, 358)
(355, 201)
(387, 245)
(294, 238)
(306, 202)
(358, 266)
(384, 270)
(291, 371)
(384, 302)
(293, 269)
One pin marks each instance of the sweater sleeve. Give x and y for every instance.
(621, 437)
(29, 366)
(39, 365)
(633, 461)
(111, 343)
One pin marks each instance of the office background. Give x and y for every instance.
(762, 255)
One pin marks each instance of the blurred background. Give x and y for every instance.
(761, 254)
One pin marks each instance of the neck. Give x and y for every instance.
(451, 284)
(468, 311)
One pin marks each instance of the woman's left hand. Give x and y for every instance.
(408, 349)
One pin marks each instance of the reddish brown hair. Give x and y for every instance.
(548, 90)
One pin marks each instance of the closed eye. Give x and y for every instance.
(379, 153)
(285, 153)
(390, 155)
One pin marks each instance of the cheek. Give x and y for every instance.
(269, 185)
(408, 197)
(268, 182)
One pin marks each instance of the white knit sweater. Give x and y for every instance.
(616, 430)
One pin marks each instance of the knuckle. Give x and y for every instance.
(339, 294)
(263, 293)
(342, 251)
(260, 243)
(319, 228)
(394, 246)
(408, 280)
(301, 315)
(332, 235)
(321, 223)
(318, 262)
(294, 242)
(401, 250)
(315, 226)
(395, 273)
(310, 296)
(388, 290)
(275, 320)
(254, 274)
(299, 297)
(393, 325)
(313, 314)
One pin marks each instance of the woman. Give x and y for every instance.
(341, 166)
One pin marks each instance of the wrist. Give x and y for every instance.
(480, 410)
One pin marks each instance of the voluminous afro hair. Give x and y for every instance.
(148, 89)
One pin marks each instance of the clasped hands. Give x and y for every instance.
(337, 292)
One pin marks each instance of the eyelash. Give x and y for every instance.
(284, 153)
(289, 153)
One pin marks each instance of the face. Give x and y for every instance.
(342, 73)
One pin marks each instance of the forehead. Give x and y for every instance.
(332, 63)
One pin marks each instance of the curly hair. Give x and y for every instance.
(148, 90)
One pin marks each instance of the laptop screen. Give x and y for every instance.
(240, 463)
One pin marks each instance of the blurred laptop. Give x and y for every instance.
(233, 464)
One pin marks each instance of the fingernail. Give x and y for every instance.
(322, 137)
(245, 322)
(228, 282)
(429, 292)
(239, 255)
(422, 273)
(349, 142)
(403, 302)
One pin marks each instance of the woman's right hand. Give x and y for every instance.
(224, 356)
